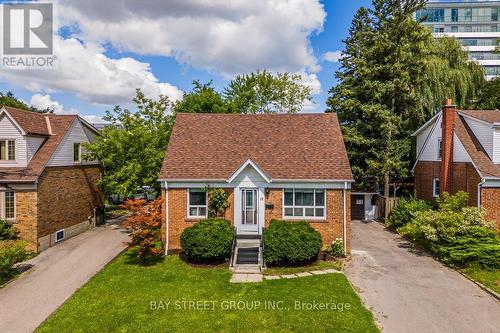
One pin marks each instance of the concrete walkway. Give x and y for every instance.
(56, 274)
(409, 291)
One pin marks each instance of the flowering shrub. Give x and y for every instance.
(337, 248)
(11, 252)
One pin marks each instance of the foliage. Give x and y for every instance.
(457, 234)
(290, 243)
(217, 202)
(145, 228)
(7, 231)
(264, 92)
(489, 95)
(208, 241)
(393, 77)
(202, 99)
(336, 249)
(131, 148)
(11, 252)
(8, 99)
(405, 211)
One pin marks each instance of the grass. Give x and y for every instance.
(489, 278)
(317, 265)
(120, 299)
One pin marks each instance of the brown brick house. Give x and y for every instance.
(46, 189)
(459, 150)
(290, 167)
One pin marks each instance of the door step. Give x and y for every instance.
(247, 256)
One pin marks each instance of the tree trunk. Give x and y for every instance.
(386, 184)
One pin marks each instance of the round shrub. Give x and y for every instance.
(208, 241)
(405, 211)
(290, 243)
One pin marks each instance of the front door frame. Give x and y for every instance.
(243, 229)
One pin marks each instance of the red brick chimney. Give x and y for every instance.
(448, 128)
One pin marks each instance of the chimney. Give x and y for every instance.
(448, 129)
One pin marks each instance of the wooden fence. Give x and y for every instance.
(384, 206)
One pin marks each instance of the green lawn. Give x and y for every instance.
(320, 264)
(118, 299)
(490, 279)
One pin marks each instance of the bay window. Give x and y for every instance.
(304, 203)
(197, 203)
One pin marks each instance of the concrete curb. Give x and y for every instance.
(480, 285)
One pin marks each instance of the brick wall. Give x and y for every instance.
(26, 215)
(67, 196)
(464, 178)
(490, 201)
(330, 228)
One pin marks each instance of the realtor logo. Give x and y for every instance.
(28, 35)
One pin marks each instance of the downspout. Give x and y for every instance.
(166, 219)
(479, 186)
(344, 196)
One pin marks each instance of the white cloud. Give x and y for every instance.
(93, 119)
(44, 101)
(84, 70)
(332, 56)
(228, 37)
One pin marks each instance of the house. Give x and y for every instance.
(459, 150)
(47, 190)
(280, 166)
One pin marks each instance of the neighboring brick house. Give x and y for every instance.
(459, 150)
(47, 190)
(289, 167)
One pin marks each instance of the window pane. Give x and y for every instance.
(298, 212)
(320, 212)
(197, 198)
(9, 205)
(193, 211)
(3, 152)
(12, 150)
(288, 197)
(76, 152)
(249, 196)
(298, 198)
(288, 211)
(308, 197)
(202, 211)
(320, 197)
(309, 211)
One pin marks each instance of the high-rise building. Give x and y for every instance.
(475, 23)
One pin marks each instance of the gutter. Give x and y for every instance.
(166, 219)
(479, 186)
(344, 197)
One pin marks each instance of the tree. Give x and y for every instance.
(263, 92)
(202, 99)
(8, 99)
(489, 95)
(393, 77)
(132, 146)
(144, 224)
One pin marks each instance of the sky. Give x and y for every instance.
(106, 50)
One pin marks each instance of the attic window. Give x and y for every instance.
(440, 149)
(7, 150)
(77, 152)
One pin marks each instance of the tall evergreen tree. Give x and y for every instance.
(393, 77)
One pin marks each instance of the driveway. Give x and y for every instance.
(56, 274)
(409, 291)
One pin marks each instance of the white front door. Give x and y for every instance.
(249, 218)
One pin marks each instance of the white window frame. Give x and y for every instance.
(79, 152)
(7, 150)
(434, 187)
(303, 218)
(63, 235)
(197, 206)
(3, 205)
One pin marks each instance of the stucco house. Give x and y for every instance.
(459, 150)
(47, 190)
(288, 167)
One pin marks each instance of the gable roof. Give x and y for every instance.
(480, 158)
(28, 121)
(492, 117)
(283, 146)
(59, 126)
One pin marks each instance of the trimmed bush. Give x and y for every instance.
(208, 241)
(405, 211)
(290, 243)
(7, 231)
(11, 252)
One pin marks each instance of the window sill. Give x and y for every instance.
(194, 219)
(308, 220)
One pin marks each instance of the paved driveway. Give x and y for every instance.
(57, 273)
(408, 291)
